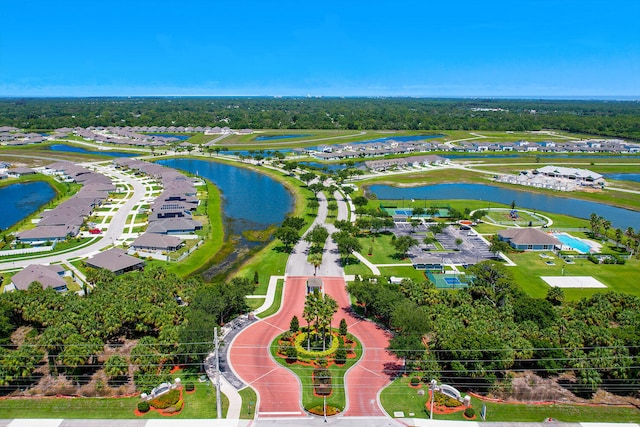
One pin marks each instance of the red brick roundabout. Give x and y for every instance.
(278, 389)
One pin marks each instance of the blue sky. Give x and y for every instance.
(496, 48)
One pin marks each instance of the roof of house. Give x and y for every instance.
(114, 259)
(154, 240)
(528, 236)
(47, 275)
(565, 171)
(168, 225)
(49, 232)
(21, 171)
(60, 217)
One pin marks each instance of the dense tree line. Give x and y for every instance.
(607, 118)
(170, 320)
(476, 337)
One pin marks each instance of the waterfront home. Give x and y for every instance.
(48, 276)
(20, 171)
(48, 233)
(583, 177)
(174, 226)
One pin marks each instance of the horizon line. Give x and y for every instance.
(510, 97)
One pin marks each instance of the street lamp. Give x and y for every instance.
(433, 397)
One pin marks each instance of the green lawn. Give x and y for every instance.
(200, 404)
(399, 396)
(277, 300)
(249, 400)
(381, 249)
(621, 278)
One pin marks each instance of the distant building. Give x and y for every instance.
(581, 176)
(528, 239)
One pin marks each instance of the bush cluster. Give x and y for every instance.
(166, 400)
(469, 413)
(442, 399)
(143, 406)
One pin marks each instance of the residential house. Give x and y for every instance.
(115, 260)
(49, 276)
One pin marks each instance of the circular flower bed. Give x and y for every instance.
(301, 338)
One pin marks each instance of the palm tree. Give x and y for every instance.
(310, 313)
(630, 237)
(328, 308)
(606, 224)
(315, 259)
(618, 237)
(594, 222)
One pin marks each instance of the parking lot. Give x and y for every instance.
(471, 249)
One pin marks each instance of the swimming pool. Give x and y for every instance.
(573, 242)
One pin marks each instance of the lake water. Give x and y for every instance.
(620, 218)
(74, 149)
(171, 135)
(276, 137)
(623, 176)
(21, 200)
(251, 200)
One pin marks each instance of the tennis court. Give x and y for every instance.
(442, 212)
(447, 281)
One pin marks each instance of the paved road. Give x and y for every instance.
(114, 231)
(278, 389)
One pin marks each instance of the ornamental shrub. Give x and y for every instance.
(189, 386)
(469, 412)
(415, 381)
(292, 354)
(341, 356)
(143, 406)
(166, 400)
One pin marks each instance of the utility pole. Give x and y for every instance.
(218, 400)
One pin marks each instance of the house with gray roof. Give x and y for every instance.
(174, 226)
(157, 242)
(20, 171)
(49, 276)
(48, 233)
(528, 239)
(115, 260)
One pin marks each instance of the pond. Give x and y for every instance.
(74, 149)
(623, 176)
(276, 137)
(171, 135)
(620, 218)
(251, 200)
(22, 199)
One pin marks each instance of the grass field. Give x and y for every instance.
(399, 396)
(621, 278)
(200, 404)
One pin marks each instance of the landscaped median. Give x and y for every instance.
(321, 372)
